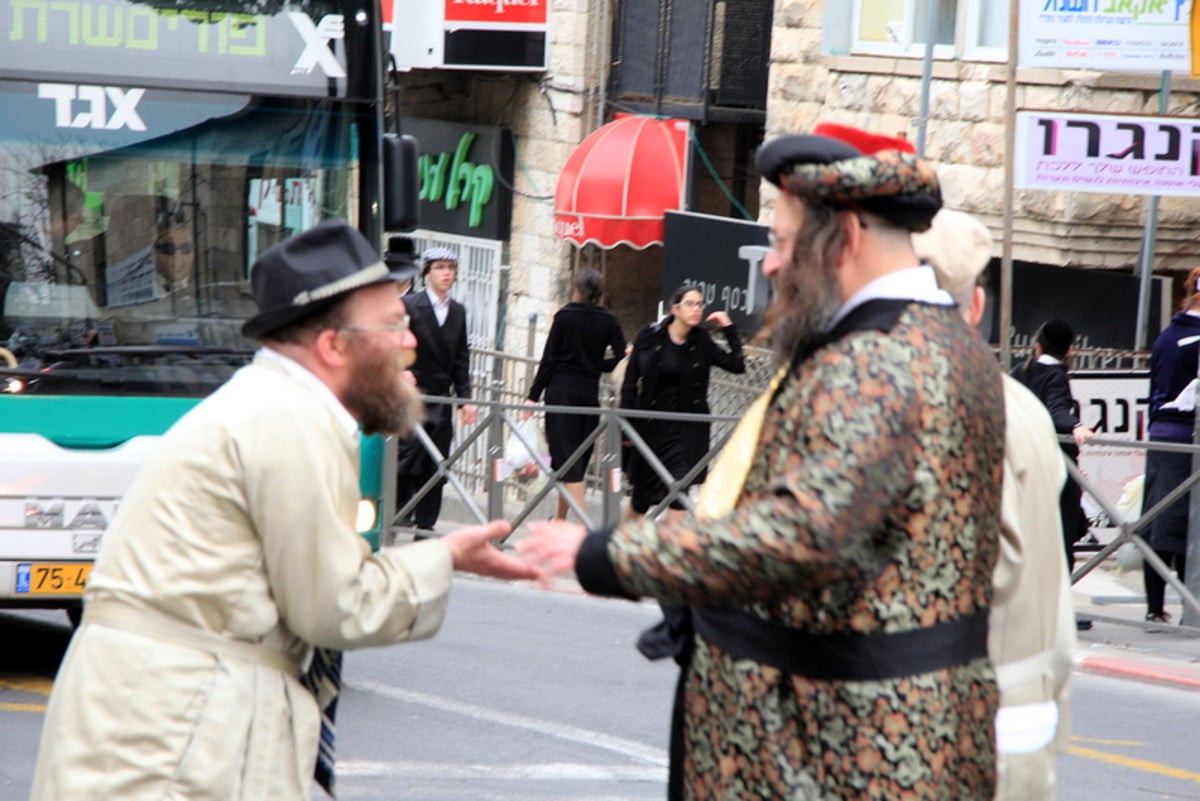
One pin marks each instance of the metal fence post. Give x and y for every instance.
(610, 468)
(495, 456)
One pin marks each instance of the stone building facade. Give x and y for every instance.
(813, 77)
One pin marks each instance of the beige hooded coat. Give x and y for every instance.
(233, 553)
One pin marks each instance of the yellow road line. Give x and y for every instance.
(22, 707)
(1095, 741)
(1137, 764)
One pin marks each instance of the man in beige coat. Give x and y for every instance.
(1032, 625)
(235, 553)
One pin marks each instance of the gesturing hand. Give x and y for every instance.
(471, 549)
(551, 546)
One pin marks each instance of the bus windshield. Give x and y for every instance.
(125, 248)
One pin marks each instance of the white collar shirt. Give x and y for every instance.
(914, 283)
(441, 306)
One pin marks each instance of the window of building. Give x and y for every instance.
(974, 29)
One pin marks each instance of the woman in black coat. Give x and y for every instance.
(668, 372)
(585, 340)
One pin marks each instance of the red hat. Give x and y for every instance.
(868, 143)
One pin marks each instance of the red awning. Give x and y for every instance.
(618, 183)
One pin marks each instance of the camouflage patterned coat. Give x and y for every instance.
(871, 508)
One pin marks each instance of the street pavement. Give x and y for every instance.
(1120, 643)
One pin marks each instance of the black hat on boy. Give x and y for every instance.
(401, 258)
(308, 272)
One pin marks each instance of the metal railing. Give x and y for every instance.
(473, 467)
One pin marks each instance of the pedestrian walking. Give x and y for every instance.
(1045, 373)
(668, 371)
(234, 555)
(839, 574)
(442, 369)
(585, 341)
(1031, 633)
(1173, 382)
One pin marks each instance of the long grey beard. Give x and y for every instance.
(808, 319)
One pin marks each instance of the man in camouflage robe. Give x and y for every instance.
(839, 596)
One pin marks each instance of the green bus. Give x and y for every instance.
(150, 150)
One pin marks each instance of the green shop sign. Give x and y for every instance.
(466, 177)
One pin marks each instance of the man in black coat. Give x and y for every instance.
(1045, 373)
(442, 369)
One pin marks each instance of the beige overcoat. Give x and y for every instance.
(240, 528)
(1032, 623)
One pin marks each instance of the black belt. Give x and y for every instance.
(844, 656)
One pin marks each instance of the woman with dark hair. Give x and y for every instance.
(1173, 360)
(668, 372)
(585, 340)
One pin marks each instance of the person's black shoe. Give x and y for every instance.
(1082, 624)
(1158, 617)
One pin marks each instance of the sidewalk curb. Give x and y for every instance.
(1145, 670)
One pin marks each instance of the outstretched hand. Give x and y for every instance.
(551, 546)
(472, 550)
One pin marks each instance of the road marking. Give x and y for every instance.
(549, 772)
(22, 708)
(1137, 764)
(1095, 741)
(619, 745)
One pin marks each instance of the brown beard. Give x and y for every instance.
(378, 396)
(806, 292)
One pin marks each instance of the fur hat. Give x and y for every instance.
(892, 183)
(308, 272)
(957, 246)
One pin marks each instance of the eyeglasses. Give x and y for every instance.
(171, 248)
(395, 328)
(692, 304)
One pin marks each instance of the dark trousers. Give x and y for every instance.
(414, 466)
(1156, 585)
(1074, 523)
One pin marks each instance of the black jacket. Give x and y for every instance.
(1050, 383)
(639, 389)
(584, 341)
(443, 358)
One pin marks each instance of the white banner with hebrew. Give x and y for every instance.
(1108, 35)
(1109, 153)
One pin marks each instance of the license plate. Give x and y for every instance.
(47, 578)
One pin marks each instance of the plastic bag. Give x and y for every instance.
(1129, 506)
(1130, 502)
(519, 462)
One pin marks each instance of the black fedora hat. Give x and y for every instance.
(401, 258)
(308, 272)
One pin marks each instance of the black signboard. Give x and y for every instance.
(466, 174)
(299, 51)
(1100, 305)
(722, 257)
